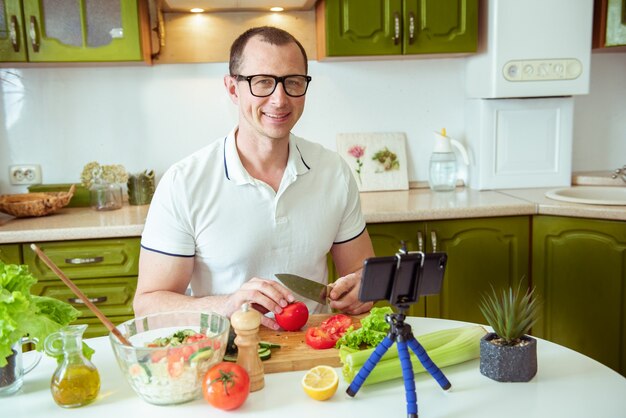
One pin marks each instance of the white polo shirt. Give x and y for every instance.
(236, 227)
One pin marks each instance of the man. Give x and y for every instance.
(260, 201)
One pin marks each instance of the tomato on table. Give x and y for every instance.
(293, 316)
(226, 386)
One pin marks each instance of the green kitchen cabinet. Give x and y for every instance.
(105, 270)
(86, 258)
(609, 24)
(396, 27)
(10, 254)
(74, 31)
(579, 270)
(481, 252)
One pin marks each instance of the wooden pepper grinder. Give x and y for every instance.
(246, 322)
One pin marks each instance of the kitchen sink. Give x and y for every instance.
(590, 195)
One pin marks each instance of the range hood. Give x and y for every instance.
(235, 5)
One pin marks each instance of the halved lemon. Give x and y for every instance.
(320, 382)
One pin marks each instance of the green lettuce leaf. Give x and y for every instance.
(24, 314)
(373, 330)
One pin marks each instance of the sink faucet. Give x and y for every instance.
(621, 172)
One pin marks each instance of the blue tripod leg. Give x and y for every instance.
(369, 365)
(409, 380)
(428, 364)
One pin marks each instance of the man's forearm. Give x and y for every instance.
(164, 301)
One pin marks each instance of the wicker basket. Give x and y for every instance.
(34, 204)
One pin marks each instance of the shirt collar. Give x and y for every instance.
(235, 171)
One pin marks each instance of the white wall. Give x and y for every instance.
(150, 117)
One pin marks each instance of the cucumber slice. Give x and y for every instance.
(267, 344)
(265, 353)
(202, 354)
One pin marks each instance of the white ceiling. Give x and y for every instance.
(224, 5)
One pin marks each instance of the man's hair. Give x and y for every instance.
(269, 34)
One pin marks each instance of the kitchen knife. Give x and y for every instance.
(307, 288)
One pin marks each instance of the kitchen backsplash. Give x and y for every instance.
(150, 117)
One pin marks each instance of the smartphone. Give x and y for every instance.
(377, 278)
(432, 273)
(406, 284)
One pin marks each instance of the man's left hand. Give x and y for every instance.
(344, 295)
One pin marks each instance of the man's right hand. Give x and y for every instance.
(265, 296)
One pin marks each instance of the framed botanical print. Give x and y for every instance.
(377, 160)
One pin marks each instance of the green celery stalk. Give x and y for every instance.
(445, 348)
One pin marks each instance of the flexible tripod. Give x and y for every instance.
(401, 333)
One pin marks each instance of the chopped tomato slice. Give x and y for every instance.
(319, 339)
(326, 335)
(337, 324)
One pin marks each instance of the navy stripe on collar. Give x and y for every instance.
(302, 158)
(225, 165)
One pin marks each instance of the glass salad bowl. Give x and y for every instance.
(170, 353)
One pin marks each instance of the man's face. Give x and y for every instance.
(273, 116)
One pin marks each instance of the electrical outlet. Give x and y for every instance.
(25, 174)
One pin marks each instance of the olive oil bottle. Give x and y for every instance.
(76, 381)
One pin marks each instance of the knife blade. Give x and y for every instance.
(307, 288)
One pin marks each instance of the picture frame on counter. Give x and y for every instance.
(377, 161)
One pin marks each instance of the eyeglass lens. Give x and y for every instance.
(263, 85)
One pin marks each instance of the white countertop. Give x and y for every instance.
(392, 206)
(567, 384)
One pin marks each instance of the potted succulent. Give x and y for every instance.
(508, 354)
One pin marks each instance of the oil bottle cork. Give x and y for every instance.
(246, 322)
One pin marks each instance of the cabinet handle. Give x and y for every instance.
(411, 28)
(34, 34)
(420, 241)
(433, 240)
(15, 33)
(78, 301)
(90, 260)
(396, 28)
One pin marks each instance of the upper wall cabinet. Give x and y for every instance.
(395, 27)
(74, 30)
(609, 23)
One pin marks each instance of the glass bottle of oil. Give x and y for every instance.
(76, 381)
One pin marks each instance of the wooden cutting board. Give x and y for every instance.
(294, 353)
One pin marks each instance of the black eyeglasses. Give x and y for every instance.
(263, 85)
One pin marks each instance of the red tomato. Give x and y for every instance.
(293, 317)
(329, 331)
(319, 339)
(226, 386)
(337, 324)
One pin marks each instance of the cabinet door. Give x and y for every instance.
(361, 27)
(481, 253)
(10, 254)
(12, 35)
(579, 269)
(112, 295)
(87, 258)
(387, 240)
(440, 26)
(83, 30)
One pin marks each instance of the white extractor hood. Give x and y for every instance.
(231, 5)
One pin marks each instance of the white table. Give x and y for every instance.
(567, 384)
